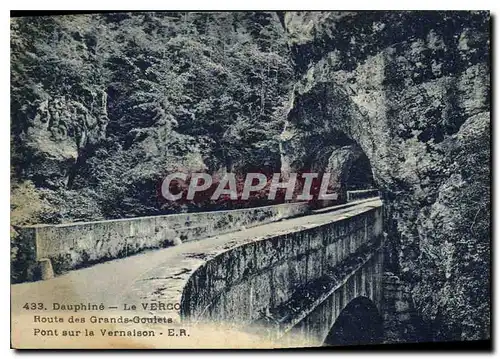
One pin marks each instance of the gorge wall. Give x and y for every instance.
(411, 91)
(104, 105)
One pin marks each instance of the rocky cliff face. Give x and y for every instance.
(100, 114)
(105, 105)
(411, 90)
(61, 129)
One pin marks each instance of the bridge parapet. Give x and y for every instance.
(73, 245)
(362, 194)
(297, 274)
(282, 279)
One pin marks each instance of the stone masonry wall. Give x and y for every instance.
(401, 321)
(70, 246)
(253, 281)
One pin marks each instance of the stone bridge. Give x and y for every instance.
(288, 272)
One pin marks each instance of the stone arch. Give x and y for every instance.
(360, 175)
(359, 323)
(350, 169)
(326, 131)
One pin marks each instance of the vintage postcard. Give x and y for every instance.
(280, 179)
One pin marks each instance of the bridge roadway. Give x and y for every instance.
(160, 275)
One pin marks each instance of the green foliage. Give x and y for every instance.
(26, 205)
(452, 276)
(472, 235)
(139, 95)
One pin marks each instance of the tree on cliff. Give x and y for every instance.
(104, 105)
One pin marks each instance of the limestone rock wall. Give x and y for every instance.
(61, 129)
(412, 90)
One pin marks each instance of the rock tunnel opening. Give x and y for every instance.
(325, 132)
(350, 169)
(360, 175)
(358, 324)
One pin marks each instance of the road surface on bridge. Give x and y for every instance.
(143, 277)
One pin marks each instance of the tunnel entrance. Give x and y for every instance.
(350, 170)
(360, 174)
(358, 324)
